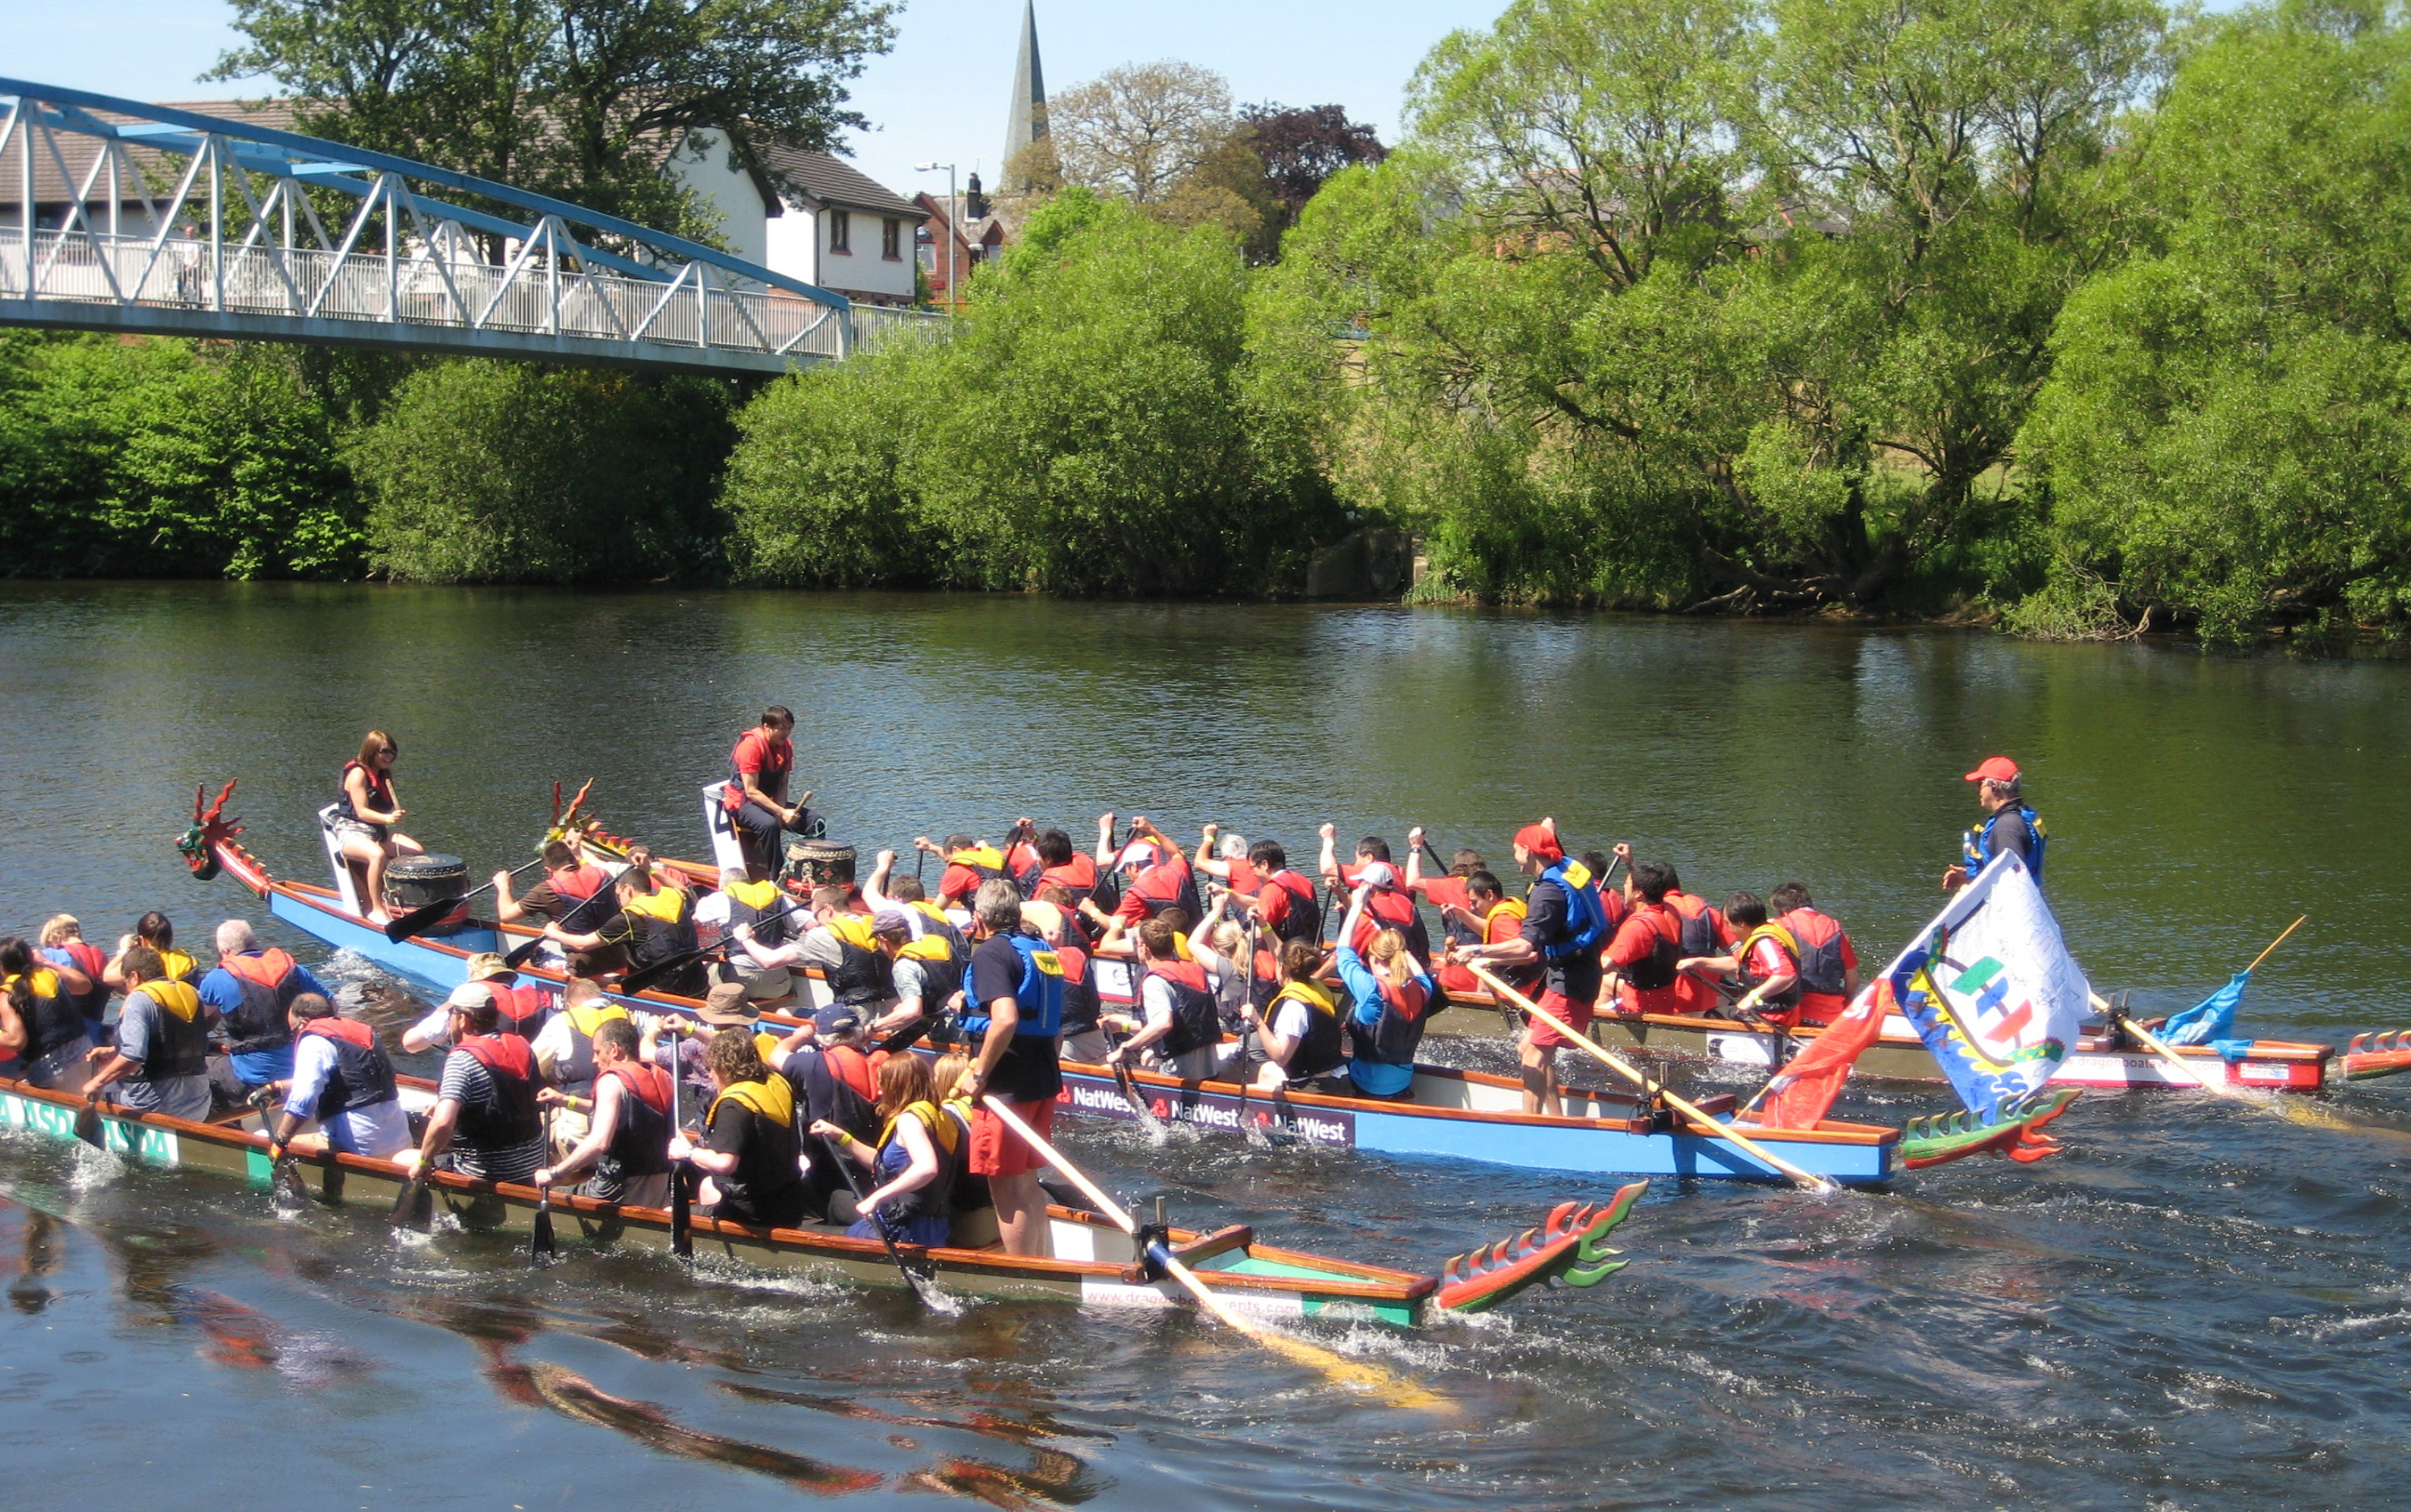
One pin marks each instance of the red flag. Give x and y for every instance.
(1801, 1091)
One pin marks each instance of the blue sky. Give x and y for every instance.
(940, 94)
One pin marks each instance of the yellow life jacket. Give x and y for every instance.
(588, 1017)
(935, 914)
(1311, 994)
(1775, 931)
(760, 896)
(180, 967)
(177, 998)
(766, 1044)
(930, 947)
(668, 904)
(978, 855)
(943, 1130)
(855, 929)
(42, 981)
(774, 1099)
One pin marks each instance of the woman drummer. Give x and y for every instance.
(367, 813)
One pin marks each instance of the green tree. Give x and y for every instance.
(511, 472)
(582, 99)
(2226, 431)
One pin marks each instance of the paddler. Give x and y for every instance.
(485, 1123)
(755, 797)
(1181, 1029)
(1227, 859)
(1388, 906)
(1489, 917)
(968, 862)
(159, 1062)
(1461, 926)
(2010, 825)
(157, 931)
(624, 1116)
(768, 918)
(1014, 1015)
(366, 812)
(342, 1079)
(1344, 877)
(1705, 932)
(1285, 900)
(1391, 998)
(252, 992)
(50, 1038)
(1829, 963)
(565, 1053)
(1062, 866)
(1051, 913)
(1170, 882)
(651, 923)
(63, 944)
(521, 1009)
(749, 1153)
(855, 955)
(1765, 962)
(1564, 923)
(1649, 945)
(1298, 1032)
(576, 899)
(916, 1156)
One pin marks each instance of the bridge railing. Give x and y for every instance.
(422, 288)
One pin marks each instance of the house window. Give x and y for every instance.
(891, 240)
(840, 232)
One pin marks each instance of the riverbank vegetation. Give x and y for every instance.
(2074, 313)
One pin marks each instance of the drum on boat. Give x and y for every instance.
(415, 882)
(820, 863)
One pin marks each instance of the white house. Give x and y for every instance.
(809, 215)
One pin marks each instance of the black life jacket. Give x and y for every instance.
(936, 1199)
(1819, 938)
(941, 968)
(764, 906)
(180, 1040)
(380, 793)
(1321, 1047)
(660, 926)
(53, 1021)
(270, 982)
(1196, 1023)
(1699, 923)
(1394, 1037)
(87, 959)
(1304, 920)
(508, 1118)
(863, 973)
(362, 1076)
(1080, 1006)
(1657, 969)
(820, 1093)
(590, 895)
(640, 1140)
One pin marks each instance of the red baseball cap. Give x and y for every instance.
(1996, 769)
(1542, 841)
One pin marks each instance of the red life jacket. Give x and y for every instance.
(268, 969)
(1398, 1032)
(650, 1085)
(362, 1075)
(522, 1010)
(1655, 972)
(511, 1118)
(1243, 878)
(1169, 884)
(1700, 931)
(852, 1067)
(268, 984)
(1389, 908)
(1298, 918)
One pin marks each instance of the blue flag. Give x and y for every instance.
(2210, 1019)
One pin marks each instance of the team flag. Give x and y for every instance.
(1990, 987)
(1800, 1092)
(2209, 1020)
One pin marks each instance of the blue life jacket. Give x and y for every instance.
(1585, 916)
(1039, 997)
(1977, 849)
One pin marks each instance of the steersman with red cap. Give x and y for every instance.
(1564, 926)
(2010, 825)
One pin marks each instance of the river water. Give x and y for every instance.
(2195, 1306)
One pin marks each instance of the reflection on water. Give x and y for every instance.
(2197, 1306)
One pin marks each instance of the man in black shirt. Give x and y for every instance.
(1013, 1009)
(2010, 825)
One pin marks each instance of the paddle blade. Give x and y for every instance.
(682, 1216)
(87, 1126)
(286, 1186)
(417, 919)
(519, 958)
(413, 1209)
(541, 1246)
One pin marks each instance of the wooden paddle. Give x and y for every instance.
(1706, 1124)
(405, 1212)
(878, 1219)
(1395, 1391)
(417, 919)
(87, 1122)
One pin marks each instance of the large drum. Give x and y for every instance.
(820, 863)
(415, 882)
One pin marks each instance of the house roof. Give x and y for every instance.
(832, 181)
(49, 188)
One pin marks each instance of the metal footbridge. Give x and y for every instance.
(147, 219)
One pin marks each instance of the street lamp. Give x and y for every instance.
(954, 234)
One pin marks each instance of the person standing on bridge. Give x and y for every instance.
(2010, 825)
(756, 794)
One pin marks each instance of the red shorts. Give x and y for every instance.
(998, 1150)
(1559, 1006)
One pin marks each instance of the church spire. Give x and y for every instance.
(1027, 121)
